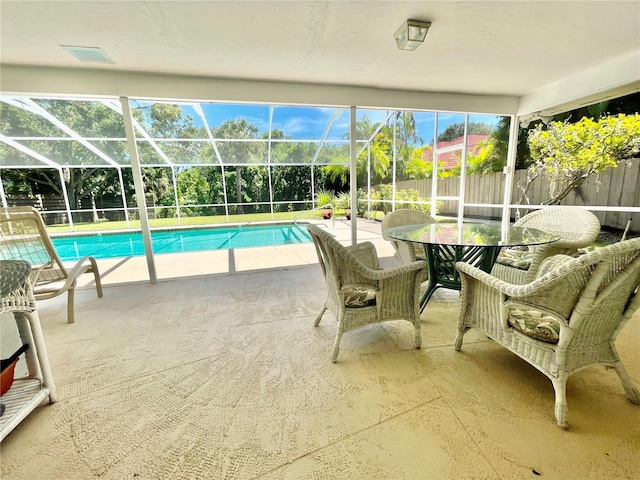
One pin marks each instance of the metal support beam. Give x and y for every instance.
(463, 169)
(434, 170)
(174, 180)
(393, 169)
(139, 187)
(65, 195)
(353, 175)
(3, 197)
(269, 163)
(124, 198)
(510, 171)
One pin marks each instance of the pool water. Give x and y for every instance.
(130, 244)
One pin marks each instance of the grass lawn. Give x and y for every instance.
(173, 222)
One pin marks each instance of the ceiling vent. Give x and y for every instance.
(88, 54)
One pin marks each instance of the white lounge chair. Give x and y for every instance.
(23, 236)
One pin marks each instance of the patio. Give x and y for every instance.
(220, 374)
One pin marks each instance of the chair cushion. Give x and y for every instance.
(533, 322)
(359, 294)
(520, 259)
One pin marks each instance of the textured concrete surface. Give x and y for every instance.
(224, 377)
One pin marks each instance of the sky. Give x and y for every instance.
(310, 123)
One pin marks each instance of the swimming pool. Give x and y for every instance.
(130, 244)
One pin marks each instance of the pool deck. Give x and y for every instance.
(224, 376)
(240, 260)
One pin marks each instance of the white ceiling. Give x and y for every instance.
(539, 52)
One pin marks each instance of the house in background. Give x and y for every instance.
(450, 153)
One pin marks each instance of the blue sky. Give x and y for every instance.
(309, 123)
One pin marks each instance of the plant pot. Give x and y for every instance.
(7, 371)
(327, 213)
(6, 377)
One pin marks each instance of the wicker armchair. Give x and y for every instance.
(565, 320)
(406, 252)
(577, 227)
(23, 236)
(359, 292)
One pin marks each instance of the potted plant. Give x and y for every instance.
(325, 200)
(344, 202)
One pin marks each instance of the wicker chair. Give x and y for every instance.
(406, 252)
(23, 236)
(359, 292)
(577, 227)
(565, 320)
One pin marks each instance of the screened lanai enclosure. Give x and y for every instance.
(221, 161)
(164, 114)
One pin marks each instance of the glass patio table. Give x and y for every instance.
(475, 243)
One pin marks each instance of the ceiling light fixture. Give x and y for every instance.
(88, 54)
(411, 34)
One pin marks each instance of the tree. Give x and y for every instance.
(406, 140)
(290, 182)
(567, 153)
(379, 151)
(245, 152)
(161, 120)
(627, 105)
(485, 160)
(456, 130)
(501, 148)
(419, 168)
(91, 119)
(94, 119)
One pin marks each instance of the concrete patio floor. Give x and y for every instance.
(222, 375)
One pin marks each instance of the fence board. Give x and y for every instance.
(635, 225)
(614, 187)
(627, 197)
(615, 195)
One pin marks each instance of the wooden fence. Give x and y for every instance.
(616, 187)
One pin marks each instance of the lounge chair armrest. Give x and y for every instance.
(85, 264)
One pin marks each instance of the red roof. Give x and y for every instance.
(453, 150)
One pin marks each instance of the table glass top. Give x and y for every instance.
(471, 234)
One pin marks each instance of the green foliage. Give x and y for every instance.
(382, 195)
(325, 197)
(291, 183)
(626, 105)
(343, 201)
(418, 167)
(380, 153)
(162, 120)
(92, 119)
(567, 153)
(361, 202)
(501, 148)
(456, 130)
(486, 160)
(240, 152)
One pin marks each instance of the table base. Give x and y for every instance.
(442, 265)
